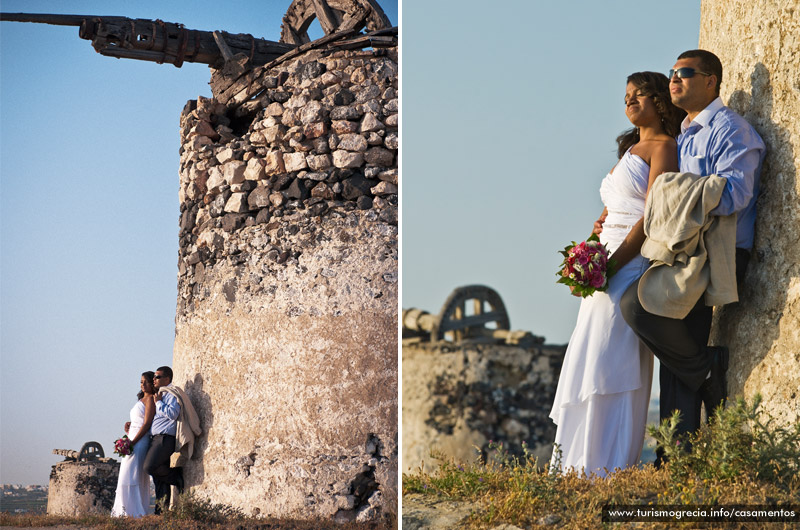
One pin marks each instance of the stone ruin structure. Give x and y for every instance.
(468, 381)
(759, 46)
(286, 326)
(84, 483)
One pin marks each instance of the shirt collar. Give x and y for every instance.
(704, 118)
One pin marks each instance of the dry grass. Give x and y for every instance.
(154, 522)
(742, 458)
(191, 513)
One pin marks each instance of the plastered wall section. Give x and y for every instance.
(759, 46)
(297, 386)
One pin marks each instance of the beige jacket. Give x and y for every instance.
(188, 427)
(692, 252)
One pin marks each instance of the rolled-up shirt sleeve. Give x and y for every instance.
(739, 160)
(168, 406)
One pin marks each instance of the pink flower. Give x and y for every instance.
(586, 266)
(123, 446)
(598, 279)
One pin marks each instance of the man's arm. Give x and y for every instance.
(740, 155)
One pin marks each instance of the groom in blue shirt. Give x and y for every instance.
(714, 140)
(162, 440)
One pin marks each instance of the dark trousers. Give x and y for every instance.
(156, 464)
(680, 345)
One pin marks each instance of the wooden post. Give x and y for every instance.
(223, 47)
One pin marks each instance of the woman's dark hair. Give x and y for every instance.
(149, 377)
(655, 86)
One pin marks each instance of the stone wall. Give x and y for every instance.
(286, 328)
(82, 488)
(458, 398)
(759, 46)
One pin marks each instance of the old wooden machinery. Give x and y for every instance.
(158, 41)
(90, 452)
(241, 61)
(472, 313)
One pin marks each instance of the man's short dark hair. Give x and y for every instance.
(709, 63)
(166, 370)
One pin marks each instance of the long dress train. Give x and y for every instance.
(133, 488)
(603, 392)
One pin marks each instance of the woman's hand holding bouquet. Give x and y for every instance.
(587, 267)
(123, 446)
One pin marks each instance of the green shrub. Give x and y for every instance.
(451, 479)
(741, 442)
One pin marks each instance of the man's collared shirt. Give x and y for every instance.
(720, 142)
(167, 412)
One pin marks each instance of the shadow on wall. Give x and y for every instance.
(751, 326)
(194, 472)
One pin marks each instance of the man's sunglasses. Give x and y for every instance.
(686, 72)
(159, 376)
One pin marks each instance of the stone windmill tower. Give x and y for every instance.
(286, 324)
(286, 329)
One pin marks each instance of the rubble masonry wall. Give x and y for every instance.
(459, 398)
(81, 488)
(286, 326)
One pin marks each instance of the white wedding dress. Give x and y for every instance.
(604, 389)
(133, 487)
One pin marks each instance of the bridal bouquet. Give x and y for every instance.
(123, 446)
(587, 266)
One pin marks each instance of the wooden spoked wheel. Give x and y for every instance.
(90, 451)
(333, 16)
(468, 311)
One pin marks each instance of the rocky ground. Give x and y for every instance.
(431, 513)
(425, 512)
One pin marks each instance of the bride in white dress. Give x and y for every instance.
(604, 389)
(133, 488)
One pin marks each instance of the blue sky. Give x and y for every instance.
(510, 114)
(89, 220)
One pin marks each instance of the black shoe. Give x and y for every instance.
(179, 480)
(661, 458)
(714, 390)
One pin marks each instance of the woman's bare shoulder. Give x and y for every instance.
(656, 148)
(664, 145)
